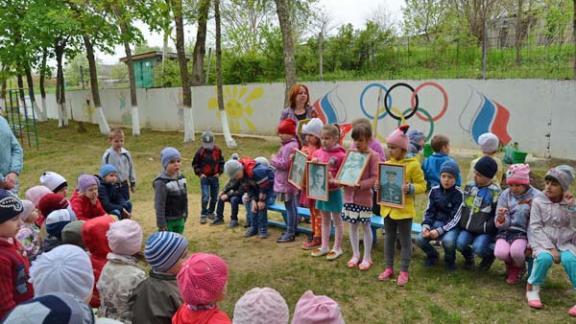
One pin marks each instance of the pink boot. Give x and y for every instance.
(402, 279)
(513, 274)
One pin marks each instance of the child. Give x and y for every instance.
(55, 222)
(208, 164)
(121, 274)
(157, 298)
(72, 233)
(64, 269)
(95, 240)
(552, 231)
(332, 154)
(432, 164)
(202, 282)
(489, 144)
(311, 133)
(55, 182)
(444, 200)
(261, 306)
(29, 233)
(170, 193)
(417, 141)
(317, 309)
(258, 179)
(110, 195)
(84, 201)
(13, 264)
(61, 308)
(358, 199)
(399, 220)
(284, 191)
(119, 157)
(35, 194)
(232, 193)
(512, 218)
(475, 218)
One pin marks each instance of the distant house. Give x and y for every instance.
(144, 64)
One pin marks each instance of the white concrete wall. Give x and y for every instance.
(542, 113)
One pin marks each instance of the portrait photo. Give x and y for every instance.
(297, 169)
(391, 179)
(317, 182)
(352, 168)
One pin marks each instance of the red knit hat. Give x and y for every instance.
(287, 126)
(52, 202)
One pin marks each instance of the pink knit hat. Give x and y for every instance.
(28, 209)
(36, 193)
(312, 309)
(518, 174)
(399, 138)
(125, 237)
(202, 279)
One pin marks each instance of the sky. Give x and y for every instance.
(340, 12)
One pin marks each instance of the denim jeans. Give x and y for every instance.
(480, 245)
(234, 201)
(209, 187)
(292, 217)
(448, 242)
(259, 221)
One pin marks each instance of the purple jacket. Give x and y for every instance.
(363, 195)
(288, 113)
(282, 162)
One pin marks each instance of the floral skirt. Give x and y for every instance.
(354, 213)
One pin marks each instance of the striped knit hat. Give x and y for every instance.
(164, 249)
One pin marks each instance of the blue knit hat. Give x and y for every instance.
(10, 206)
(450, 167)
(168, 154)
(486, 166)
(106, 169)
(56, 221)
(164, 249)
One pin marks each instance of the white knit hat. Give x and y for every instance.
(313, 127)
(66, 268)
(261, 306)
(53, 181)
(488, 143)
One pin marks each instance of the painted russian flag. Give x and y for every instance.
(492, 117)
(326, 111)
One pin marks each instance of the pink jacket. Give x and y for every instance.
(282, 162)
(334, 157)
(363, 195)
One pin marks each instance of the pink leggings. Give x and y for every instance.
(511, 252)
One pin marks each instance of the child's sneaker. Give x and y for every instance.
(250, 232)
(450, 266)
(314, 242)
(469, 263)
(319, 252)
(211, 216)
(486, 263)
(334, 254)
(386, 275)
(233, 223)
(430, 261)
(217, 221)
(402, 279)
(203, 219)
(533, 297)
(263, 235)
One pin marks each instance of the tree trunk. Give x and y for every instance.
(574, 35)
(321, 54)
(183, 64)
(59, 47)
(34, 106)
(200, 46)
(484, 47)
(21, 94)
(44, 115)
(219, 87)
(289, 65)
(519, 32)
(102, 123)
(3, 95)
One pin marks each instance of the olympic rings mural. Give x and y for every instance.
(414, 110)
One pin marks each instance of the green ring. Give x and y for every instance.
(430, 119)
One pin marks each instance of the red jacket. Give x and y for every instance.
(94, 237)
(84, 209)
(211, 316)
(14, 275)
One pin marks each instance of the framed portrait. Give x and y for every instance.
(317, 181)
(391, 179)
(352, 168)
(297, 169)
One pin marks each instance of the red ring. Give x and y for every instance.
(444, 94)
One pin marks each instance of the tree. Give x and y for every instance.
(243, 22)
(574, 33)
(424, 17)
(219, 87)
(200, 45)
(283, 12)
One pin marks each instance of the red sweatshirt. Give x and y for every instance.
(14, 274)
(84, 209)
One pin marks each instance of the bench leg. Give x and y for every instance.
(374, 236)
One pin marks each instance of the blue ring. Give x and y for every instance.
(371, 85)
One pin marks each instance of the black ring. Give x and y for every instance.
(388, 95)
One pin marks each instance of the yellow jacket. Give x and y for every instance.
(414, 176)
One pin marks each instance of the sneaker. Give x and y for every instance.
(319, 252)
(402, 279)
(386, 275)
(486, 263)
(250, 232)
(217, 221)
(430, 261)
(286, 238)
(247, 225)
(334, 254)
(572, 311)
(211, 216)
(533, 297)
(450, 266)
(233, 223)
(469, 264)
(263, 235)
(314, 242)
(203, 219)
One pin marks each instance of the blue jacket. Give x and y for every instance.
(110, 196)
(10, 151)
(476, 214)
(442, 206)
(431, 167)
(262, 176)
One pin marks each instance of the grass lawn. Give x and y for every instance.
(431, 296)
